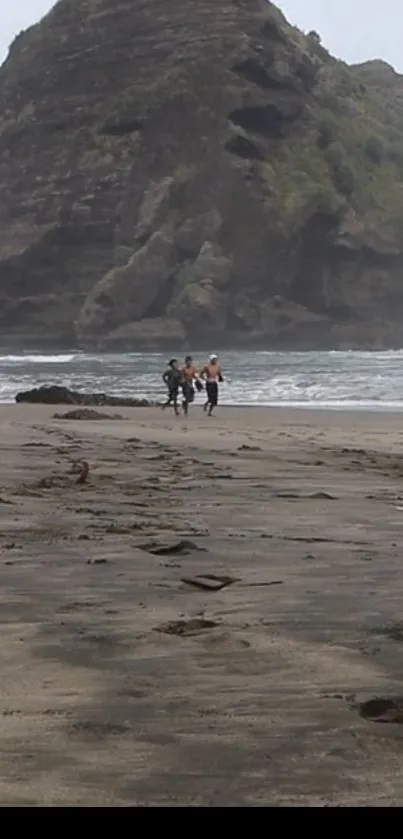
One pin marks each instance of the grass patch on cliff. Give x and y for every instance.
(364, 165)
(347, 154)
(299, 184)
(148, 95)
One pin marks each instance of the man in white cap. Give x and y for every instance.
(211, 373)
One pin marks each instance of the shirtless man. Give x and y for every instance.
(211, 373)
(189, 377)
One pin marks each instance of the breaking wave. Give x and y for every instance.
(335, 379)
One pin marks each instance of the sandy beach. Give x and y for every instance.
(198, 622)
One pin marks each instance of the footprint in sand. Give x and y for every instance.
(225, 642)
(185, 628)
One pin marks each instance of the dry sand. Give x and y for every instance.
(123, 685)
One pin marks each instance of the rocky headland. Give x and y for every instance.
(196, 172)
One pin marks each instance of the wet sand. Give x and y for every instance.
(129, 677)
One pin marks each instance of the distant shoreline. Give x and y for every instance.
(329, 382)
(315, 412)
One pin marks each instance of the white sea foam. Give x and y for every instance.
(63, 358)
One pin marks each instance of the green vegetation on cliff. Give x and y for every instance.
(348, 151)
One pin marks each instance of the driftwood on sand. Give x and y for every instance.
(80, 468)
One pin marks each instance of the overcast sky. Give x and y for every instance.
(354, 30)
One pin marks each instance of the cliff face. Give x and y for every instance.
(197, 172)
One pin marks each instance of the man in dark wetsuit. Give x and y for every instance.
(172, 378)
(189, 376)
(211, 373)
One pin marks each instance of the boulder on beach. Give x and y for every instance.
(59, 395)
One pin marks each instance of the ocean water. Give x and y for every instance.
(336, 380)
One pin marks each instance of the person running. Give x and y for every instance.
(211, 373)
(172, 378)
(189, 377)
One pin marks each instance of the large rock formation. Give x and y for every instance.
(60, 395)
(193, 171)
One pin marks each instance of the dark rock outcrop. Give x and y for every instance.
(133, 288)
(166, 175)
(86, 414)
(59, 395)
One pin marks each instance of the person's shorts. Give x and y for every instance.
(188, 392)
(212, 393)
